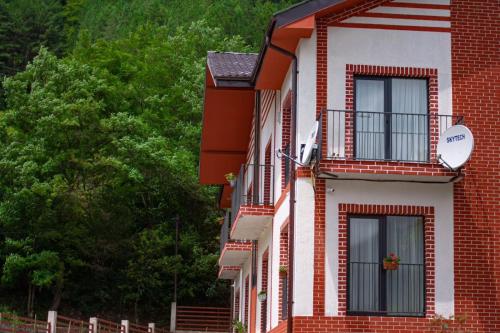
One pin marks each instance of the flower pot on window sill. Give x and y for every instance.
(390, 265)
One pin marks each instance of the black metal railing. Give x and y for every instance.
(380, 136)
(254, 186)
(224, 230)
(284, 299)
(287, 165)
(373, 290)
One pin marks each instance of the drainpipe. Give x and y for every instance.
(293, 154)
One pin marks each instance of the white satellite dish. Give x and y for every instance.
(455, 147)
(310, 145)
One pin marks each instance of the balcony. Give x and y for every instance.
(228, 272)
(233, 253)
(252, 201)
(381, 145)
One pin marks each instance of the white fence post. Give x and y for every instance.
(52, 321)
(125, 323)
(173, 310)
(93, 322)
(151, 328)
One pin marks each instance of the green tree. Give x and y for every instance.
(99, 151)
(112, 20)
(37, 270)
(25, 25)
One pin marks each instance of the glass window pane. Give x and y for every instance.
(370, 123)
(409, 125)
(364, 264)
(405, 286)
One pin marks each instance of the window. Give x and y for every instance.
(245, 316)
(283, 275)
(284, 299)
(392, 121)
(371, 288)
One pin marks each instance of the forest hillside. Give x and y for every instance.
(100, 122)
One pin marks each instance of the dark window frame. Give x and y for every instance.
(284, 298)
(388, 110)
(382, 220)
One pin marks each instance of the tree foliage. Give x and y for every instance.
(116, 19)
(99, 140)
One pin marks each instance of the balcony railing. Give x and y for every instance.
(254, 186)
(287, 165)
(224, 231)
(402, 294)
(381, 136)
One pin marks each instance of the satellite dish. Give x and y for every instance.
(455, 147)
(310, 145)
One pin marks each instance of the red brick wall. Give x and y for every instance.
(475, 70)
(319, 194)
(476, 95)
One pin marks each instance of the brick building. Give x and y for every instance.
(382, 80)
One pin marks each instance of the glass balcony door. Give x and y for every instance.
(391, 119)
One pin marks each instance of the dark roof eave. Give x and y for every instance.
(221, 83)
(301, 10)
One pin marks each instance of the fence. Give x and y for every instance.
(183, 319)
(200, 319)
(107, 326)
(15, 324)
(55, 323)
(71, 325)
(134, 328)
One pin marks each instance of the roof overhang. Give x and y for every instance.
(285, 31)
(273, 65)
(227, 119)
(229, 102)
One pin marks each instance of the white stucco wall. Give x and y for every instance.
(306, 85)
(401, 49)
(440, 196)
(387, 48)
(304, 249)
(237, 287)
(281, 96)
(304, 209)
